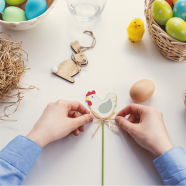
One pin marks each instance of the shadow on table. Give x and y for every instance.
(51, 157)
(144, 157)
(137, 49)
(146, 49)
(183, 115)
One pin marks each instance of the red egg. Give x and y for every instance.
(170, 2)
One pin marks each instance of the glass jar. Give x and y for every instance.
(86, 10)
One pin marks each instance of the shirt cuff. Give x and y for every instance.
(172, 166)
(21, 153)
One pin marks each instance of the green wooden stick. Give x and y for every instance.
(102, 153)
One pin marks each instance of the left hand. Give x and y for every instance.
(58, 120)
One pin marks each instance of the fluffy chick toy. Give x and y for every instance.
(136, 30)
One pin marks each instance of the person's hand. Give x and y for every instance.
(146, 126)
(58, 120)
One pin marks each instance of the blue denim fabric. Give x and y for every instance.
(16, 160)
(172, 166)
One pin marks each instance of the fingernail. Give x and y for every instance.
(118, 119)
(90, 117)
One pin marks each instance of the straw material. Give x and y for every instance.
(82, 48)
(172, 49)
(12, 69)
(106, 120)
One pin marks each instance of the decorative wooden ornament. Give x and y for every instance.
(75, 46)
(67, 70)
(71, 67)
(184, 97)
(102, 110)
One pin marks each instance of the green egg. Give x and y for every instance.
(14, 2)
(161, 12)
(14, 14)
(176, 28)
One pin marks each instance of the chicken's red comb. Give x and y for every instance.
(90, 93)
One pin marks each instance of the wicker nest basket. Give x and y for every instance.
(169, 47)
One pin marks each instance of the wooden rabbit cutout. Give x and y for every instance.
(71, 67)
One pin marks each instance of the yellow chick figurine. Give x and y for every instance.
(136, 30)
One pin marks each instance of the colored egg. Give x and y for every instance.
(180, 9)
(142, 90)
(169, 1)
(49, 2)
(174, 2)
(176, 28)
(161, 12)
(14, 2)
(2, 5)
(14, 14)
(35, 8)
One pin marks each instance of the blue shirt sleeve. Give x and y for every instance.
(172, 166)
(16, 160)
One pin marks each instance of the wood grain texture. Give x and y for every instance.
(67, 70)
(75, 46)
(80, 57)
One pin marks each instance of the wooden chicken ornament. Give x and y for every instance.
(103, 107)
(103, 110)
(71, 67)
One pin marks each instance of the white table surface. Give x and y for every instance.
(114, 65)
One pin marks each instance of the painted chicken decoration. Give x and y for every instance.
(103, 107)
(103, 111)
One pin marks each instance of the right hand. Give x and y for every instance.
(146, 126)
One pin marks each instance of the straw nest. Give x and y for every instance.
(169, 47)
(12, 69)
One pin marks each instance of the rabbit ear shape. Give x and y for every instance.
(76, 46)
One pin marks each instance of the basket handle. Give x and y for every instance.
(146, 2)
(146, 6)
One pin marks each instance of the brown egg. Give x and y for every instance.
(142, 90)
(49, 2)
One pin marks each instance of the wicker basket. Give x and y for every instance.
(169, 47)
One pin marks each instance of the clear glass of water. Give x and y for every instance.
(86, 10)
